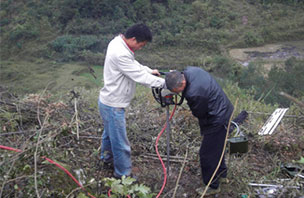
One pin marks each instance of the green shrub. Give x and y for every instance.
(4, 21)
(287, 2)
(92, 58)
(69, 47)
(252, 77)
(253, 39)
(66, 13)
(222, 67)
(9, 121)
(84, 26)
(158, 11)
(267, 88)
(289, 79)
(26, 31)
(216, 22)
(142, 9)
(125, 186)
(267, 33)
(73, 43)
(165, 38)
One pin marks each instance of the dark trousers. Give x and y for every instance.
(210, 154)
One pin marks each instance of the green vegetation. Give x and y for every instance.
(71, 26)
(59, 46)
(185, 33)
(145, 119)
(125, 186)
(288, 79)
(24, 77)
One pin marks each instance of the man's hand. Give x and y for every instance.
(155, 72)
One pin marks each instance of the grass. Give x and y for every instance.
(24, 77)
(98, 72)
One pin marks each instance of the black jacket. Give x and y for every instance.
(206, 99)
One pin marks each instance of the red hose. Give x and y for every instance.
(52, 162)
(109, 192)
(160, 159)
(10, 148)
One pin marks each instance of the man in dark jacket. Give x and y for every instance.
(210, 105)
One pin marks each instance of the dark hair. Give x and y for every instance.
(174, 80)
(141, 32)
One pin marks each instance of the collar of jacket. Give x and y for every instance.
(122, 37)
(187, 83)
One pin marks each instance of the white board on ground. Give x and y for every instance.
(273, 121)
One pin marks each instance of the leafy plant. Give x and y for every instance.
(126, 186)
(301, 161)
(9, 121)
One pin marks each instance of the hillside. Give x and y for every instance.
(80, 30)
(51, 63)
(68, 131)
(42, 40)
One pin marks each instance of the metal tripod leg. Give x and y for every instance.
(168, 139)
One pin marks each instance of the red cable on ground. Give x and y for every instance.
(160, 159)
(68, 173)
(10, 148)
(109, 192)
(52, 162)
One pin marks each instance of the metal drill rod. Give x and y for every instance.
(272, 185)
(168, 140)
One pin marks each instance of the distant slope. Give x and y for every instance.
(76, 30)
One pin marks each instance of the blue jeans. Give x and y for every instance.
(115, 144)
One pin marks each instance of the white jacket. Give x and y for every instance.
(121, 72)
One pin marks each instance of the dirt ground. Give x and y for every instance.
(72, 138)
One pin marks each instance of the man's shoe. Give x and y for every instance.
(210, 191)
(108, 165)
(105, 164)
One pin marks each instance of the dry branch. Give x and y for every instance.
(180, 173)
(293, 99)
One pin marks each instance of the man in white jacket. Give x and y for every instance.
(121, 72)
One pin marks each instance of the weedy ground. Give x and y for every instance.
(69, 132)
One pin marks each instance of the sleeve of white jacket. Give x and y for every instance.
(144, 67)
(139, 73)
